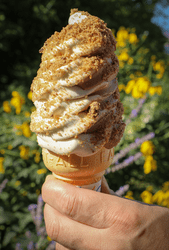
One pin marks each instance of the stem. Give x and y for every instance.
(9, 152)
(132, 146)
(123, 164)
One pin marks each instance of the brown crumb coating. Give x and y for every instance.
(80, 55)
(93, 39)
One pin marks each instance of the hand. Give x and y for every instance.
(82, 219)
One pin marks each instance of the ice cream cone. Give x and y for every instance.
(84, 172)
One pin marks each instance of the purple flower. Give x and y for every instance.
(18, 246)
(32, 206)
(30, 246)
(130, 159)
(141, 101)
(137, 140)
(117, 162)
(121, 188)
(152, 134)
(39, 218)
(134, 112)
(40, 198)
(3, 184)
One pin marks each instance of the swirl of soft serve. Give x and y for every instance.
(69, 113)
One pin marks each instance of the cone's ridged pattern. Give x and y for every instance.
(78, 170)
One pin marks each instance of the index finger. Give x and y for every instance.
(82, 205)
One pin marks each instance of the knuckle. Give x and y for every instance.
(71, 205)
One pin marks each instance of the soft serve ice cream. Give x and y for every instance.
(78, 109)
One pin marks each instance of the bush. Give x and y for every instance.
(140, 166)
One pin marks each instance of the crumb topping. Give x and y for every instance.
(81, 55)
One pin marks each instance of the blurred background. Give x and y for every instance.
(140, 169)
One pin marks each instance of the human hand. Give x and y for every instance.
(82, 219)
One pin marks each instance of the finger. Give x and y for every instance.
(82, 205)
(105, 187)
(71, 234)
(60, 247)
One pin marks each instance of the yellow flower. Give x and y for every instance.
(121, 64)
(2, 170)
(37, 191)
(152, 90)
(2, 151)
(24, 152)
(30, 95)
(131, 76)
(41, 171)
(166, 195)
(147, 197)
(17, 183)
(129, 195)
(133, 38)
(17, 101)
(129, 86)
(23, 129)
(122, 34)
(159, 76)
(37, 157)
(10, 147)
(6, 107)
(26, 130)
(121, 44)
(121, 87)
(136, 93)
(165, 186)
(124, 56)
(158, 197)
(49, 239)
(159, 66)
(27, 114)
(158, 90)
(140, 87)
(143, 84)
(150, 164)
(138, 73)
(147, 167)
(130, 61)
(147, 148)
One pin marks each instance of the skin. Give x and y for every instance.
(82, 219)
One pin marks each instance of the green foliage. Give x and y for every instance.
(24, 28)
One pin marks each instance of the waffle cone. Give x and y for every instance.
(78, 170)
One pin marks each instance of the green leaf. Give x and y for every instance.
(6, 217)
(25, 220)
(8, 237)
(166, 135)
(23, 173)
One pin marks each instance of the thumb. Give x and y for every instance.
(82, 205)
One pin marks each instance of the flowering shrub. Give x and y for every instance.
(140, 167)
